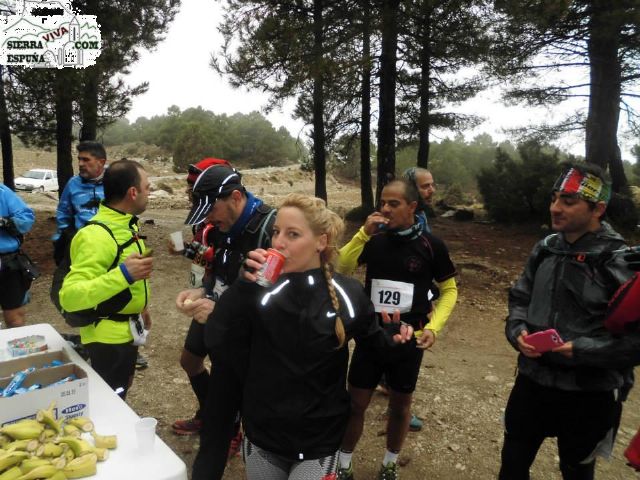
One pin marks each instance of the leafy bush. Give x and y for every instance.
(518, 191)
(454, 194)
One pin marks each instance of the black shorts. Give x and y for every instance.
(115, 363)
(13, 293)
(400, 366)
(194, 343)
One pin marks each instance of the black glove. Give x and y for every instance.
(8, 224)
(633, 261)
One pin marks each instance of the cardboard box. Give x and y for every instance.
(71, 398)
(13, 365)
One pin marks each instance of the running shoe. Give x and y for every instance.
(416, 424)
(187, 427)
(141, 362)
(345, 473)
(235, 446)
(389, 472)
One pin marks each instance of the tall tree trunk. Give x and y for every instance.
(64, 127)
(604, 100)
(319, 158)
(5, 138)
(89, 105)
(387, 111)
(366, 193)
(425, 80)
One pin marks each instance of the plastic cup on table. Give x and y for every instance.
(178, 242)
(146, 434)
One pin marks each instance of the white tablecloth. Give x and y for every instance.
(111, 416)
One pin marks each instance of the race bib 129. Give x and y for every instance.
(390, 295)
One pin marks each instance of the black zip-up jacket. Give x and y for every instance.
(567, 287)
(295, 399)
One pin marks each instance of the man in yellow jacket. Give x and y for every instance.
(107, 284)
(403, 260)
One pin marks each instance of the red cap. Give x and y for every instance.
(197, 168)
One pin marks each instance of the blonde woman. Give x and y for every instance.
(295, 404)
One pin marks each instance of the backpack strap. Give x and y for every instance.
(265, 225)
(595, 261)
(259, 225)
(120, 248)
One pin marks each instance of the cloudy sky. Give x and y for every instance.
(178, 73)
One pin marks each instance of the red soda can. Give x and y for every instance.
(271, 268)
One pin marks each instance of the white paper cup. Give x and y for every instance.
(178, 243)
(146, 434)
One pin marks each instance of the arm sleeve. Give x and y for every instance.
(609, 350)
(350, 253)
(444, 305)
(64, 212)
(20, 214)
(89, 282)
(228, 331)
(519, 299)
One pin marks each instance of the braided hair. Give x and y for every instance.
(323, 221)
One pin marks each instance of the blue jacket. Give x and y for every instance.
(13, 207)
(78, 204)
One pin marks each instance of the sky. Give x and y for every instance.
(179, 74)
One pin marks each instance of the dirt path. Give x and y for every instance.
(464, 382)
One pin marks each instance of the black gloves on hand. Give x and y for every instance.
(633, 261)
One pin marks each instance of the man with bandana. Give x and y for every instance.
(402, 261)
(575, 391)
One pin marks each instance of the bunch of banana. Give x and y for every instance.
(46, 448)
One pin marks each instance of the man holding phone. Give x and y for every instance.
(574, 391)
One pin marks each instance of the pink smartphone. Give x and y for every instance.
(545, 340)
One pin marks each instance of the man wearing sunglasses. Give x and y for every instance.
(241, 222)
(200, 251)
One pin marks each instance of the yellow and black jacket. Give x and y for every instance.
(91, 282)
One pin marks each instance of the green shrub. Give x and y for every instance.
(518, 191)
(455, 195)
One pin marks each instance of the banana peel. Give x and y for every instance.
(48, 418)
